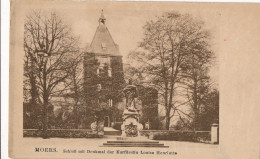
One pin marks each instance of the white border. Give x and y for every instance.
(5, 23)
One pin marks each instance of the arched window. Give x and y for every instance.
(110, 102)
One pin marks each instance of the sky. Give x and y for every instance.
(125, 21)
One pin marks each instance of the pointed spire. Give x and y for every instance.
(102, 18)
(103, 42)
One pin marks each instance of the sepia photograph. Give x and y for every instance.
(162, 89)
(113, 79)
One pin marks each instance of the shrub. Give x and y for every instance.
(117, 125)
(63, 133)
(177, 136)
(200, 136)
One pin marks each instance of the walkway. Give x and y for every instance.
(184, 150)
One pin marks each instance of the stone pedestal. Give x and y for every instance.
(214, 134)
(131, 125)
(130, 133)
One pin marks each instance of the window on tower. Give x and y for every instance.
(110, 102)
(99, 87)
(103, 45)
(102, 60)
(104, 65)
(109, 72)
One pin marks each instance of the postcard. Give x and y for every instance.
(110, 79)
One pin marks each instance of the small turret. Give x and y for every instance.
(102, 18)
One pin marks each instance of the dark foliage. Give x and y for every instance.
(117, 125)
(184, 136)
(63, 133)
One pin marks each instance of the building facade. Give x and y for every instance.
(103, 74)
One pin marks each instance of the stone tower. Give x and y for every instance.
(103, 73)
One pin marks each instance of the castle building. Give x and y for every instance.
(102, 95)
(103, 73)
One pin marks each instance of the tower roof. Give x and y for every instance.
(103, 42)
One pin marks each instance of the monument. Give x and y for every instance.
(131, 125)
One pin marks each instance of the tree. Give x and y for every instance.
(49, 47)
(31, 105)
(74, 85)
(210, 113)
(196, 81)
(164, 51)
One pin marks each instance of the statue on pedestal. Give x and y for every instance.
(131, 125)
(130, 92)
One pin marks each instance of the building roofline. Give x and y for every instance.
(103, 54)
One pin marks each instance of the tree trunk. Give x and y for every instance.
(45, 118)
(195, 107)
(45, 104)
(34, 93)
(167, 125)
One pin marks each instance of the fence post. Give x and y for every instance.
(214, 134)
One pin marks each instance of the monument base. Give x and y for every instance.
(139, 141)
(131, 125)
(138, 138)
(130, 133)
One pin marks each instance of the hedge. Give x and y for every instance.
(194, 136)
(117, 125)
(63, 133)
